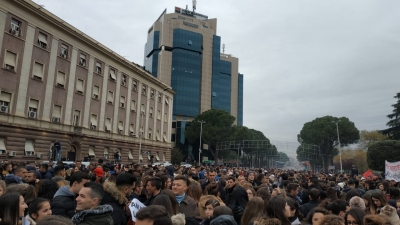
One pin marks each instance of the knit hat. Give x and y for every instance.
(390, 213)
(99, 172)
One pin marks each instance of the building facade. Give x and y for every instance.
(57, 83)
(184, 51)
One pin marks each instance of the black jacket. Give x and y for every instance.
(236, 200)
(306, 193)
(113, 197)
(97, 216)
(306, 208)
(63, 203)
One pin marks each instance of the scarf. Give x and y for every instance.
(180, 198)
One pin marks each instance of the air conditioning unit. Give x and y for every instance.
(64, 53)
(95, 96)
(110, 102)
(124, 83)
(29, 153)
(2, 151)
(119, 131)
(60, 85)
(56, 119)
(12, 153)
(122, 105)
(93, 127)
(4, 109)
(132, 134)
(39, 155)
(107, 130)
(32, 114)
(82, 62)
(80, 92)
(9, 67)
(14, 32)
(106, 156)
(42, 45)
(37, 77)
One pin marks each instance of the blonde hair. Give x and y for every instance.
(3, 186)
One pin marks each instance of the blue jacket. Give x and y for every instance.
(46, 175)
(12, 179)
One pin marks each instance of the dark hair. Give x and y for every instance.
(316, 210)
(44, 166)
(58, 169)
(353, 192)
(337, 206)
(9, 208)
(194, 191)
(231, 178)
(181, 177)
(164, 179)
(332, 220)
(254, 209)
(78, 177)
(314, 194)
(46, 189)
(55, 220)
(155, 182)
(96, 190)
(331, 194)
(35, 206)
(394, 193)
(25, 190)
(157, 213)
(213, 202)
(378, 195)
(264, 194)
(222, 210)
(357, 214)
(171, 195)
(125, 179)
(212, 189)
(292, 187)
(275, 209)
(165, 201)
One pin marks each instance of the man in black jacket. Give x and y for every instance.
(314, 202)
(116, 194)
(312, 183)
(153, 187)
(236, 198)
(63, 203)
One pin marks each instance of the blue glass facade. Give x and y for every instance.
(186, 72)
(151, 51)
(240, 101)
(221, 79)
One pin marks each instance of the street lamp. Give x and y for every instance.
(340, 152)
(201, 131)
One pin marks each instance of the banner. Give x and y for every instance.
(368, 175)
(392, 171)
(135, 206)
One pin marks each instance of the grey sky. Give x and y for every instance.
(301, 59)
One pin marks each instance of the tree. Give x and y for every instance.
(368, 138)
(217, 128)
(357, 157)
(283, 157)
(176, 156)
(388, 150)
(394, 123)
(322, 132)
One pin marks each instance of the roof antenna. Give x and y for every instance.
(223, 48)
(194, 5)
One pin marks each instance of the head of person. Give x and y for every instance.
(278, 208)
(99, 173)
(7, 167)
(241, 179)
(357, 202)
(317, 215)
(25, 190)
(153, 185)
(30, 176)
(59, 171)
(55, 220)
(43, 167)
(172, 198)
(293, 189)
(212, 189)
(355, 216)
(378, 200)
(3, 187)
(376, 220)
(153, 215)
(39, 209)
(314, 194)
(77, 180)
(254, 209)
(333, 220)
(339, 207)
(20, 171)
(394, 193)
(230, 182)
(367, 199)
(250, 193)
(126, 183)
(264, 194)
(210, 205)
(46, 189)
(194, 191)
(250, 176)
(180, 185)
(211, 174)
(165, 201)
(12, 208)
(89, 196)
(222, 210)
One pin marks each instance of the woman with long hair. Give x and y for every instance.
(394, 195)
(171, 196)
(163, 200)
(378, 201)
(38, 210)
(367, 200)
(354, 216)
(278, 208)
(46, 189)
(12, 207)
(317, 215)
(25, 190)
(254, 209)
(194, 191)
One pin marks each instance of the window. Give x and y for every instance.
(151, 112)
(133, 106)
(159, 115)
(10, 61)
(33, 108)
(42, 40)
(142, 109)
(120, 127)
(5, 99)
(130, 155)
(56, 114)
(79, 86)
(108, 125)
(165, 117)
(112, 75)
(159, 96)
(122, 102)
(152, 93)
(2, 146)
(132, 129)
(134, 85)
(98, 68)
(64, 51)
(144, 90)
(38, 71)
(76, 118)
(93, 122)
(150, 133)
(29, 148)
(60, 79)
(82, 60)
(110, 97)
(15, 25)
(106, 152)
(141, 131)
(96, 92)
(91, 152)
(124, 80)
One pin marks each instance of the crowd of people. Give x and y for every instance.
(114, 194)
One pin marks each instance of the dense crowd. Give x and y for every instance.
(114, 194)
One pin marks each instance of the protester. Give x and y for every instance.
(38, 210)
(153, 214)
(187, 205)
(254, 209)
(12, 208)
(317, 215)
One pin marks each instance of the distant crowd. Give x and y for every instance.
(114, 194)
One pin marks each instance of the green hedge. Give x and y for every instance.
(381, 151)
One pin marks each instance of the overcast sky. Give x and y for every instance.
(300, 59)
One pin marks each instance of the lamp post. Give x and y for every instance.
(201, 131)
(340, 152)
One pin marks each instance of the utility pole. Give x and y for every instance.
(201, 131)
(340, 152)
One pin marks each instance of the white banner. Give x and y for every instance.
(135, 206)
(392, 171)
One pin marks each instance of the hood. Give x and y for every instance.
(113, 191)
(223, 220)
(390, 213)
(101, 209)
(64, 191)
(178, 219)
